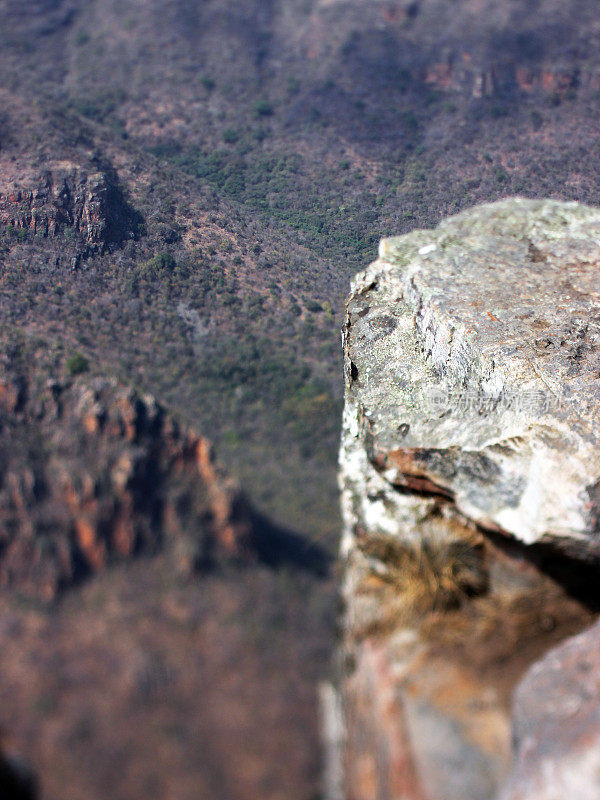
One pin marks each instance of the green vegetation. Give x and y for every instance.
(14, 234)
(101, 106)
(262, 108)
(158, 265)
(500, 174)
(278, 188)
(230, 135)
(77, 364)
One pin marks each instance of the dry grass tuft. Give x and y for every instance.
(431, 575)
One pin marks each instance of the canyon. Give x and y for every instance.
(186, 191)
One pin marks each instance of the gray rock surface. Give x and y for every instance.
(474, 371)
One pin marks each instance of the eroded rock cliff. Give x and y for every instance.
(177, 632)
(92, 471)
(469, 476)
(82, 203)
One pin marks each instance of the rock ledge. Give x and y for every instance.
(470, 479)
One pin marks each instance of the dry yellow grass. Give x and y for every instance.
(432, 575)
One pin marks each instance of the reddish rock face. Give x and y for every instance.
(111, 475)
(84, 200)
(379, 756)
(557, 724)
(462, 75)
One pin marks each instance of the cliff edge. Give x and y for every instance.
(470, 475)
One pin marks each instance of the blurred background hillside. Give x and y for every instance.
(186, 189)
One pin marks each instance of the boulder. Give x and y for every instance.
(473, 367)
(557, 724)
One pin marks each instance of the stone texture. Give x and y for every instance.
(473, 367)
(557, 725)
(85, 200)
(420, 728)
(469, 474)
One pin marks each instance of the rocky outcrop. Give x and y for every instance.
(458, 73)
(469, 471)
(477, 371)
(68, 197)
(557, 724)
(92, 471)
(482, 49)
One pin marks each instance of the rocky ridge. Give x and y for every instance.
(490, 51)
(135, 583)
(83, 200)
(92, 472)
(469, 473)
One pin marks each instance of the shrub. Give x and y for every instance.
(314, 307)
(536, 119)
(411, 120)
(230, 135)
(77, 364)
(497, 111)
(262, 108)
(158, 264)
(293, 85)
